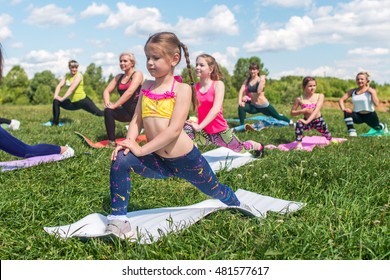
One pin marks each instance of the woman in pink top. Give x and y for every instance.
(310, 103)
(212, 126)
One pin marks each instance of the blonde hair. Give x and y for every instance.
(129, 54)
(365, 74)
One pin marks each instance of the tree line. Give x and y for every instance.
(17, 88)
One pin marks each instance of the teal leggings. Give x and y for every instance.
(268, 111)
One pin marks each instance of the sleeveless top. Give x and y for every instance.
(362, 102)
(158, 105)
(252, 88)
(206, 101)
(308, 104)
(79, 93)
(121, 88)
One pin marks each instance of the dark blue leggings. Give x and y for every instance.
(15, 147)
(192, 167)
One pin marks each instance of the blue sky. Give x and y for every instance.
(291, 37)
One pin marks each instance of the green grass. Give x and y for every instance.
(345, 186)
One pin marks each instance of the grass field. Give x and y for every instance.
(345, 186)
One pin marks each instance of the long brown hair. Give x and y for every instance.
(170, 45)
(216, 74)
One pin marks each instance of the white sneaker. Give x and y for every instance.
(385, 129)
(14, 125)
(68, 153)
(352, 134)
(119, 227)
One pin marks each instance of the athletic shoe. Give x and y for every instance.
(60, 124)
(352, 134)
(385, 129)
(299, 147)
(68, 153)
(14, 125)
(49, 123)
(291, 123)
(249, 127)
(120, 228)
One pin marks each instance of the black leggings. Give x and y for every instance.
(120, 114)
(371, 119)
(85, 104)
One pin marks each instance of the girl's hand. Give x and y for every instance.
(59, 98)
(116, 150)
(348, 110)
(303, 121)
(194, 125)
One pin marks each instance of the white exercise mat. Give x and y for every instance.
(222, 158)
(152, 224)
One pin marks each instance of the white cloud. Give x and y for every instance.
(50, 15)
(288, 3)
(369, 51)
(40, 60)
(40, 56)
(355, 22)
(17, 45)
(95, 10)
(321, 71)
(132, 17)
(145, 21)
(292, 37)
(220, 20)
(15, 2)
(99, 43)
(5, 31)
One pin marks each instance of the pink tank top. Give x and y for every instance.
(206, 101)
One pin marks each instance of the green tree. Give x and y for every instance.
(94, 83)
(42, 87)
(15, 86)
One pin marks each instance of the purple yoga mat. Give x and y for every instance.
(308, 143)
(28, 162)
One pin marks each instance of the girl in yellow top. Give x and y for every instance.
(74, 98)
(161, 111)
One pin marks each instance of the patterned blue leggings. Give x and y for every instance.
(319, 124)
(192, 167)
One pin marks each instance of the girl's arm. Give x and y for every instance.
(241, 94)
(374, 96)
(108, 90)
(261, 86)
(137, 80)
(73, 86)
(217, 105)
(315, 112)
(134, 130)
(294, 109)
(347, 95)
